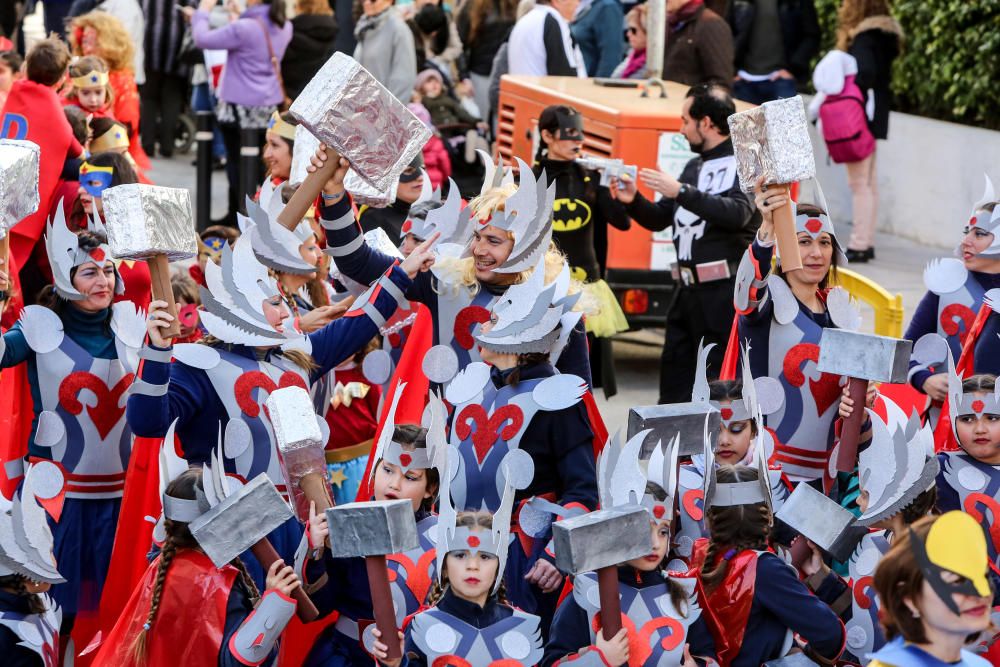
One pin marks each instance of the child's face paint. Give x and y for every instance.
(661, 539)
(471, 575)
(391, 483)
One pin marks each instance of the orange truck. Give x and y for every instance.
(618, 123)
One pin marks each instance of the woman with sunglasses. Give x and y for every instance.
(634, 65)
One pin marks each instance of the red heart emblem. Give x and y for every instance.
(826, 390)
(467, 317)
(977, 406)
(106, 412)
(251, 380)
(814, 225)
(404, 460)
(473, 541)
(727, 414)
(488, 428)
(97, 254)
(972, 221)
(407, 226)
(658, 511)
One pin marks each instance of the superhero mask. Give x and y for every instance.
(955, 543)
(188, 315)
(95, 180)
(570, 125)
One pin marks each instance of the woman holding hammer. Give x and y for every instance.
(81, 353)
(782, 316)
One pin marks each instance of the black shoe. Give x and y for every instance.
(860, 256)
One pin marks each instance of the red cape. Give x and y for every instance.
(134, 534)
(190, 623)
(410, 370)
(33, 112)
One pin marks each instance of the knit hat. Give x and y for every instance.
(426, 75)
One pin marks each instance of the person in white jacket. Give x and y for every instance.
(541, 44)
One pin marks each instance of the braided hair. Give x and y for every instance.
(733, 529)
(18, 584)
(178, 538)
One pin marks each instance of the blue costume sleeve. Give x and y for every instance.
(575, 357)
(702, 644)
(343, 337)
(923, 322)
(947, 497)
(185, 399)
(14, 655)
(356, 259)
(575, 453)
(762, 257)
(569, 633)
(13, 348)
(779, 590)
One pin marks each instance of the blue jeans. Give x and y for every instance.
(202, 99)
(758, 92)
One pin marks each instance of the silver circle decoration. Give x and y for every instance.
(377, 367)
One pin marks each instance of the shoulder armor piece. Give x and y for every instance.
(197, 355)
(945, 275)
(786, 306)
(843, 311)
(559, 391)
(585, 593)
(468, 383)
(43, 330)
(128, 324)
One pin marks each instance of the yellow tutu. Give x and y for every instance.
(607, 317)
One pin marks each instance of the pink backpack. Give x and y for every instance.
(845, 125)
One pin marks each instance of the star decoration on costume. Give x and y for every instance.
(337, 478)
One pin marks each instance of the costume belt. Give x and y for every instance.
(349, 453)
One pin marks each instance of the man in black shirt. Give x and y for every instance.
(713, 223)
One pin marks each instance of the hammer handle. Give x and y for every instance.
(315, 489)
(611, 608)
(266, 555)
(799, 551)
(786, 238)
(308, 190)
(385, 611)
(159, 275)
(850, 430)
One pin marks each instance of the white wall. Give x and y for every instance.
(929, 175)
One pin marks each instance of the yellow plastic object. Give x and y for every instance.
(888, 308)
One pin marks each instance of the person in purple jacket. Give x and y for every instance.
(250, 89)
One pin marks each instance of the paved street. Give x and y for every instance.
(898, 268)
